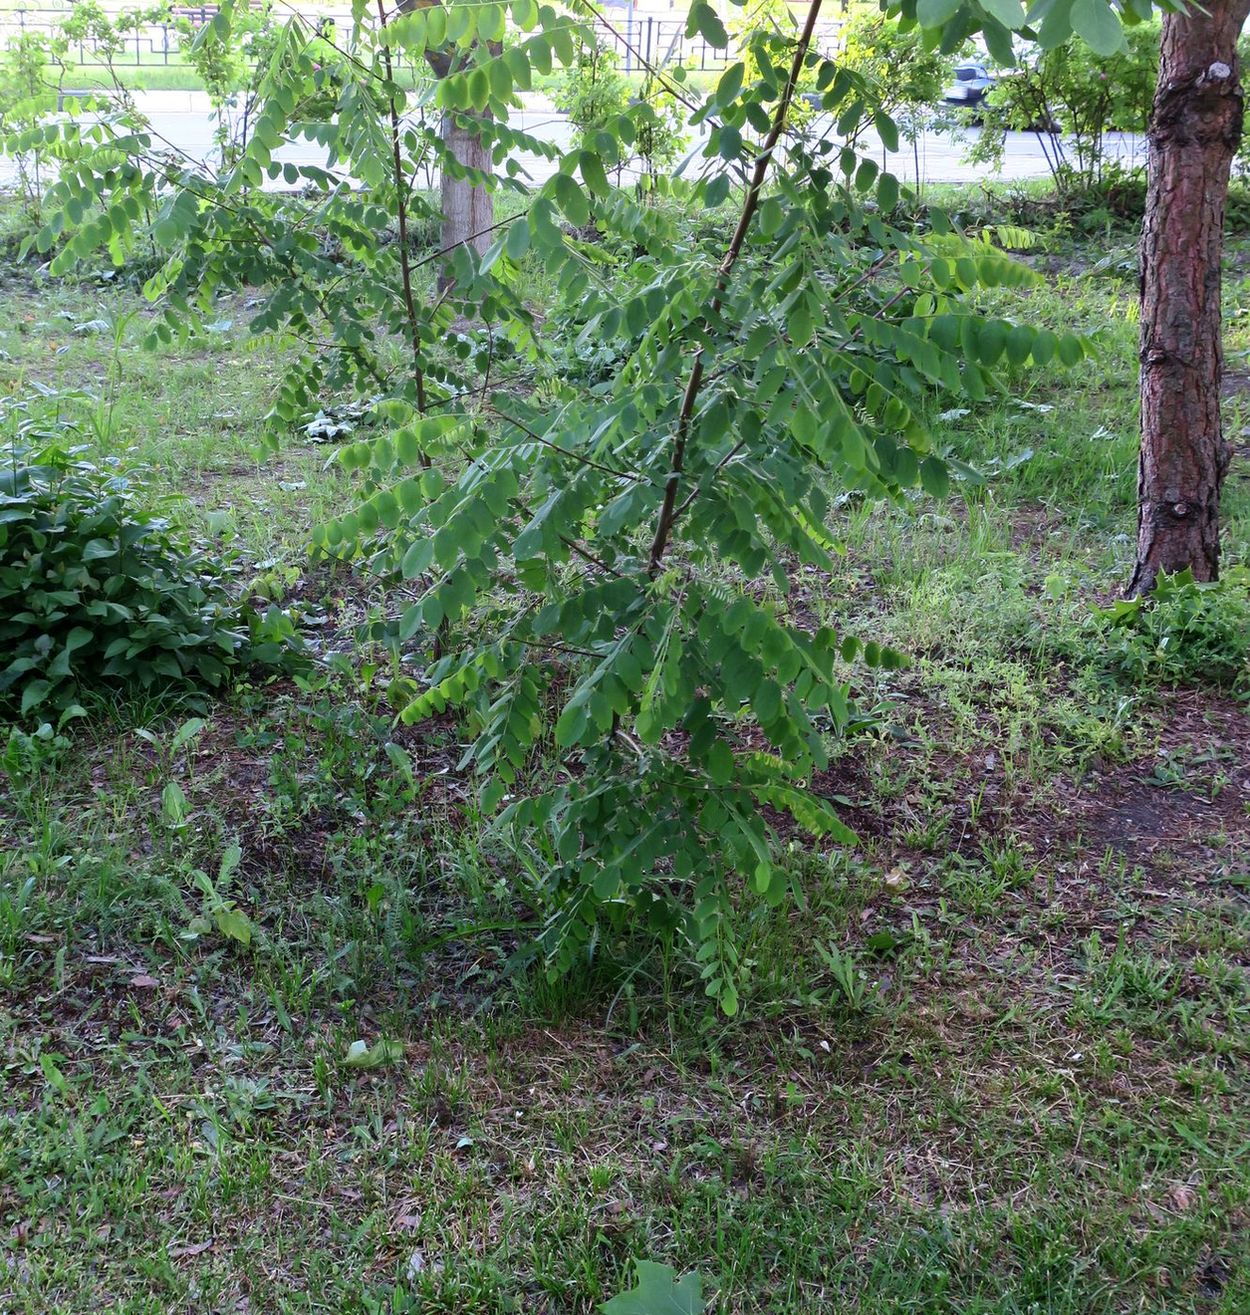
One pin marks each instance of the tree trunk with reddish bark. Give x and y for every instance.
(1195, 130)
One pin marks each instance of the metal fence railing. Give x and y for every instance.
(639, 39)
(150, 43)
(644, 40)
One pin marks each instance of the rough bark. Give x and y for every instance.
(1195, 129)
(468, 210)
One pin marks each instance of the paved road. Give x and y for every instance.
(183, 120)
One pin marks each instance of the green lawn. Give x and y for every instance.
(1035, 1100)
(153, 75)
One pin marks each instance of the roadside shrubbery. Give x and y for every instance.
(1072, 97)
(595, 94)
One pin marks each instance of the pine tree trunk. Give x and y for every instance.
(1195, 129)
(468, 211)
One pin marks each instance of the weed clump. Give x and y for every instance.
(1185, 633)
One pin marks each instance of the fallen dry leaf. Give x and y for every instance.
(1181, 1197)
(191, 1249)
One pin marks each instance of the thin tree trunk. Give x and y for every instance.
(1195, 129)
(468, 210)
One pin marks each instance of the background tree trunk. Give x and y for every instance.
(468, 211)
(1195, 129)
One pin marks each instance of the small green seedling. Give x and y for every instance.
(217, 911)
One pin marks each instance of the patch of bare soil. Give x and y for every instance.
(1123, 850)
(1197, 809)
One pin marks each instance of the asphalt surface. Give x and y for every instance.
(183, 121)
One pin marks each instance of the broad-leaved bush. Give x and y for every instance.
(99, 591)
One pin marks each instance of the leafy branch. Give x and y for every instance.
(667, 516)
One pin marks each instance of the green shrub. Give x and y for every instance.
(659, 137)
(596, 95)
(593, 92)
(1185, 633)
(1072, 97)
(26, 98)
(98, 591)
(580, 572)
(905, 72)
